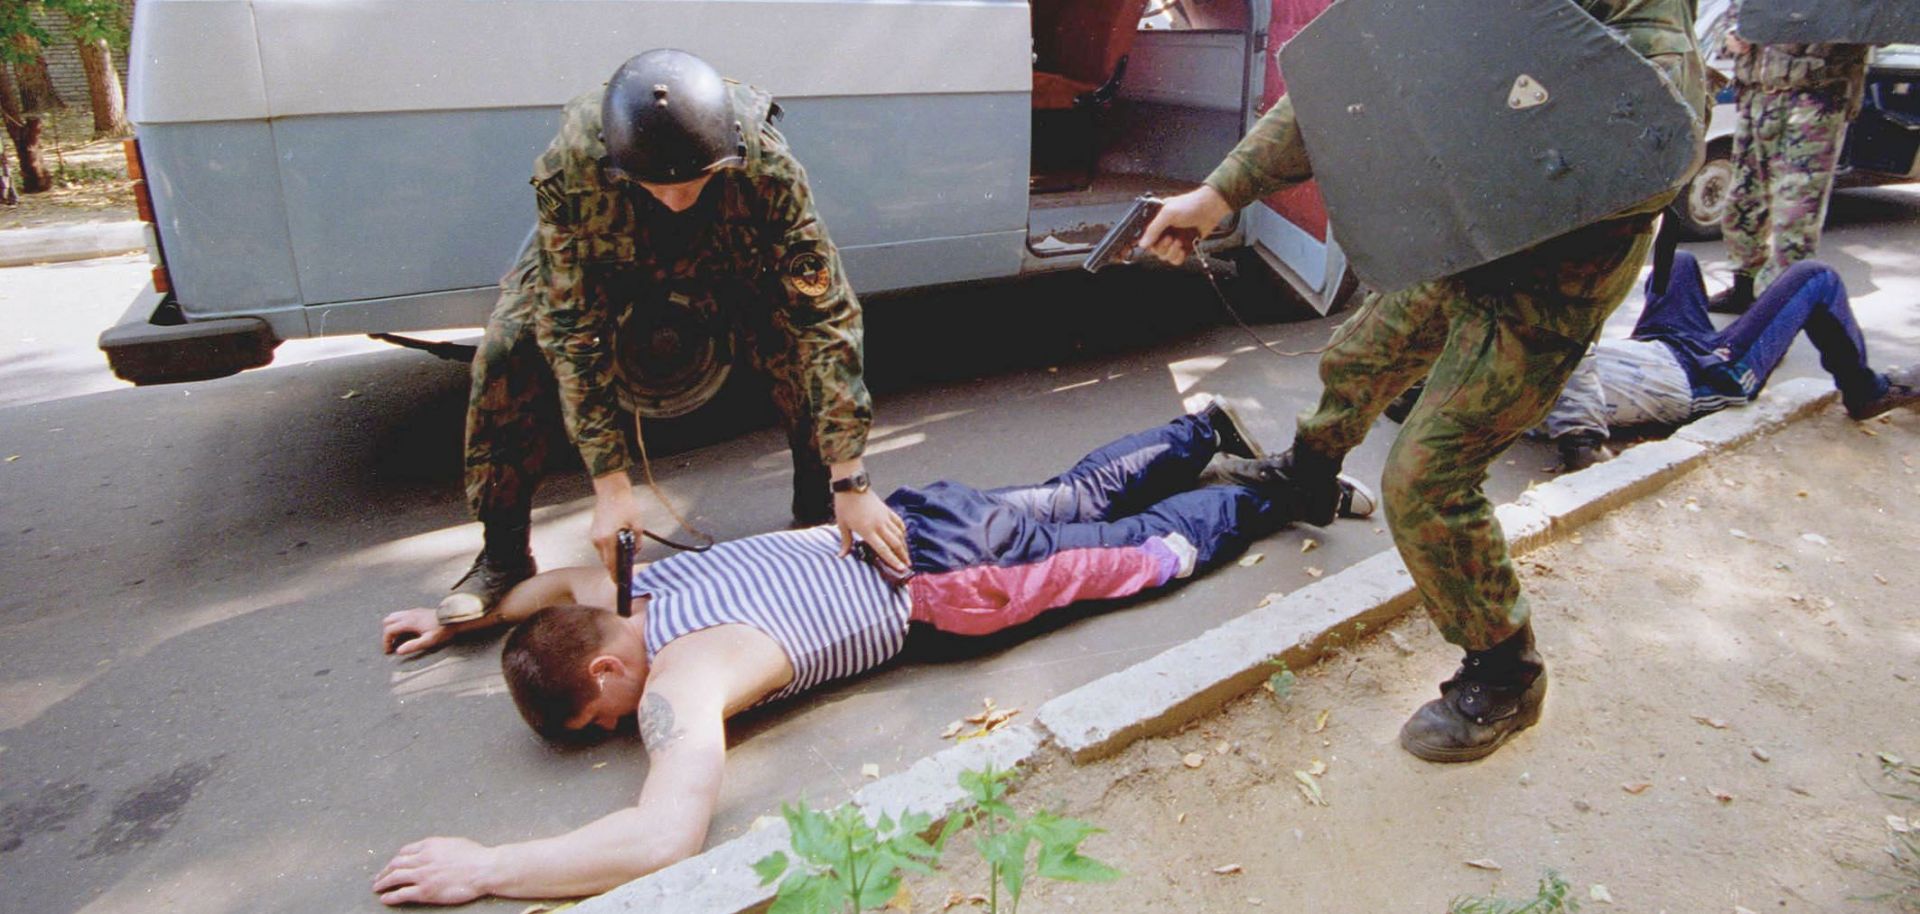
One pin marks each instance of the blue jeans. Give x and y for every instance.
(1138, 487)
(1738, 361)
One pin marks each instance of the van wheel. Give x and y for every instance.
(1703, 202)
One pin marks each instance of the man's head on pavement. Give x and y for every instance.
(574, 671)
(668, 124)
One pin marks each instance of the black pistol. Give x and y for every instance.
(1118, 245)
(626, 545)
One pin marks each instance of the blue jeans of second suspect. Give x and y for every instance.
(1725, 366)
(1133, 489)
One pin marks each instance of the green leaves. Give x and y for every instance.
(1554, 896)
(841, 863)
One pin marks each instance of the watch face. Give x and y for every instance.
(855, 483)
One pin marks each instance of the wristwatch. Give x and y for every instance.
(857, 483)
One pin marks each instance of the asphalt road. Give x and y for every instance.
(194, 713)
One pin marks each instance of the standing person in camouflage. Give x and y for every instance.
(669, 208)
(1792, 105)
(1496, 343)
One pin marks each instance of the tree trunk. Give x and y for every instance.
(23, 112)
(103, 89)
(24, 130)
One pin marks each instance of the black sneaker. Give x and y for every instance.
(480, 589)
(1903, 389)
(1734, 299)
(1230, 432)
(1481, 707)
(1316, 496)
(1579, 451)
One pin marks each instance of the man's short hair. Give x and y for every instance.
(545, 662)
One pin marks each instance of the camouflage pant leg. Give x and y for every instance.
(1513, 338)
(1378, 353)
(513, 411)
(774, 356)
(1784, 149)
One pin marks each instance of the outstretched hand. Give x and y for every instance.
(1181, 220)
(436, 871)
(865, 515)
(412, 631)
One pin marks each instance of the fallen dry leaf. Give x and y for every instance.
(1636, 788)
(1308, 545)
(1815, 539)
(954, 900)
(349, 395)
(760, 822)
(1248, 561)
(1180, 819)
(902, 901)
(1868, 432)
(598, 765)
(1600, 894)
(1222, 748)
(1193, 760)
(1309, 788)
(1762, 754)
(1878, 577)
(12, 457)
(1575, 538)
(1318, 768)
(870, 771)
(1899, 824)
(1320, 723)
(1485, 863)
(1314, 572)
(1742, 909)
(1713, 722)
(999, 718)
(953, 729)
(1721, 795)
(1228, 869)
(981, 717)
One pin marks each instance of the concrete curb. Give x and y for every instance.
(19, 247)
(1164, 692)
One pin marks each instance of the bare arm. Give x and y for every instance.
(681, 721)
(412, 631)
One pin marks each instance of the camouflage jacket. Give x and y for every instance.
(763, 230)
(1272, 155)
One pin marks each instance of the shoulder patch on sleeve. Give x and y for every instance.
(556, 205)
(809, 269)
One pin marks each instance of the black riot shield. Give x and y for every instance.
(1447, 135)
(1847, 21)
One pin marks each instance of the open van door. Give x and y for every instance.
(1288, 230)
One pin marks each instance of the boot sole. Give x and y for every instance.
(1448, 755)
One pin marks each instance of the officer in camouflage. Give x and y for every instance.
(670, 209)
(1496, 343)
(1792, 105)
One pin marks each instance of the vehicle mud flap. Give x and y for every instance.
(1448, 135)
(1815, 21)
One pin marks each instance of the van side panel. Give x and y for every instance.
(910, 197)
(216, 198)
(399, 204)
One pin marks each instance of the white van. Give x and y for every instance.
(326, 167)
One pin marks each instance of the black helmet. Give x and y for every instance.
(668, 118)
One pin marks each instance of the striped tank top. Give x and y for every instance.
(833, 616)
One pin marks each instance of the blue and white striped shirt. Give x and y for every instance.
(833, 616)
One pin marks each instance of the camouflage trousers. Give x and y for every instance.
(1785, 144)
(514, 420)
(1495, 344)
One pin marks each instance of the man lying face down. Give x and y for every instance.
(769, 616)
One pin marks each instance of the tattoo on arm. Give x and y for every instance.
(657, 726)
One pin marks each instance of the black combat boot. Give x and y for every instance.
(1309, 480)
(1734, 299)
(505, 560)
(1495, 694)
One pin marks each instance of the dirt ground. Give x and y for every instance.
(89, 177)
(1730, 657)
